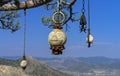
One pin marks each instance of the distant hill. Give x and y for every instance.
(68, 64)
(91, 65)
(102, 62)
(34, 68)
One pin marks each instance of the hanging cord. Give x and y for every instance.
(24, 33)
(89, 24)
(88, 14)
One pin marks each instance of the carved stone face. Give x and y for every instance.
(57, 37)
(90, 39)
(23, 63)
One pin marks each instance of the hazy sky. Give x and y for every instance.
(105, 27)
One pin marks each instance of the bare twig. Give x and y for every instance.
(70, 11)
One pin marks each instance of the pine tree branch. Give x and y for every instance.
(24, 5)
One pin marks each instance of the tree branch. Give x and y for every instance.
(71, 10)
(24, 5)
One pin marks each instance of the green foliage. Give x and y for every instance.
(8, 20)
(66, 7)
(47, 21)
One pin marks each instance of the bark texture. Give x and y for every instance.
(23, 5)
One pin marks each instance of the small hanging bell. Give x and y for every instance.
(23, 63)
(83, 23)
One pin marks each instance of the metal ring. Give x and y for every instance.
(59, 13)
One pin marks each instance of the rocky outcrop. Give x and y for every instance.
(11, 71)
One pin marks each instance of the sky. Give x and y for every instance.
(105, 24)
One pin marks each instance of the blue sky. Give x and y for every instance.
(105, 24)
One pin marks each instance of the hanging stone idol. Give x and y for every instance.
(57, 38)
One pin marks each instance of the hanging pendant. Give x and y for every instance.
(83, 23)
(57, 38)
(23, 63)
(89, 39)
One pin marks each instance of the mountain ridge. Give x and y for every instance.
(34, 67)
(80, 66)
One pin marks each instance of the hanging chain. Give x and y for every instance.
(83, 6)
(24, 32)
(59, 9)
(59, 5)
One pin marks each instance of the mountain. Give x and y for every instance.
(91, 66)
(34, 68)
(68, 64)
(102, 62)
(65, 64)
